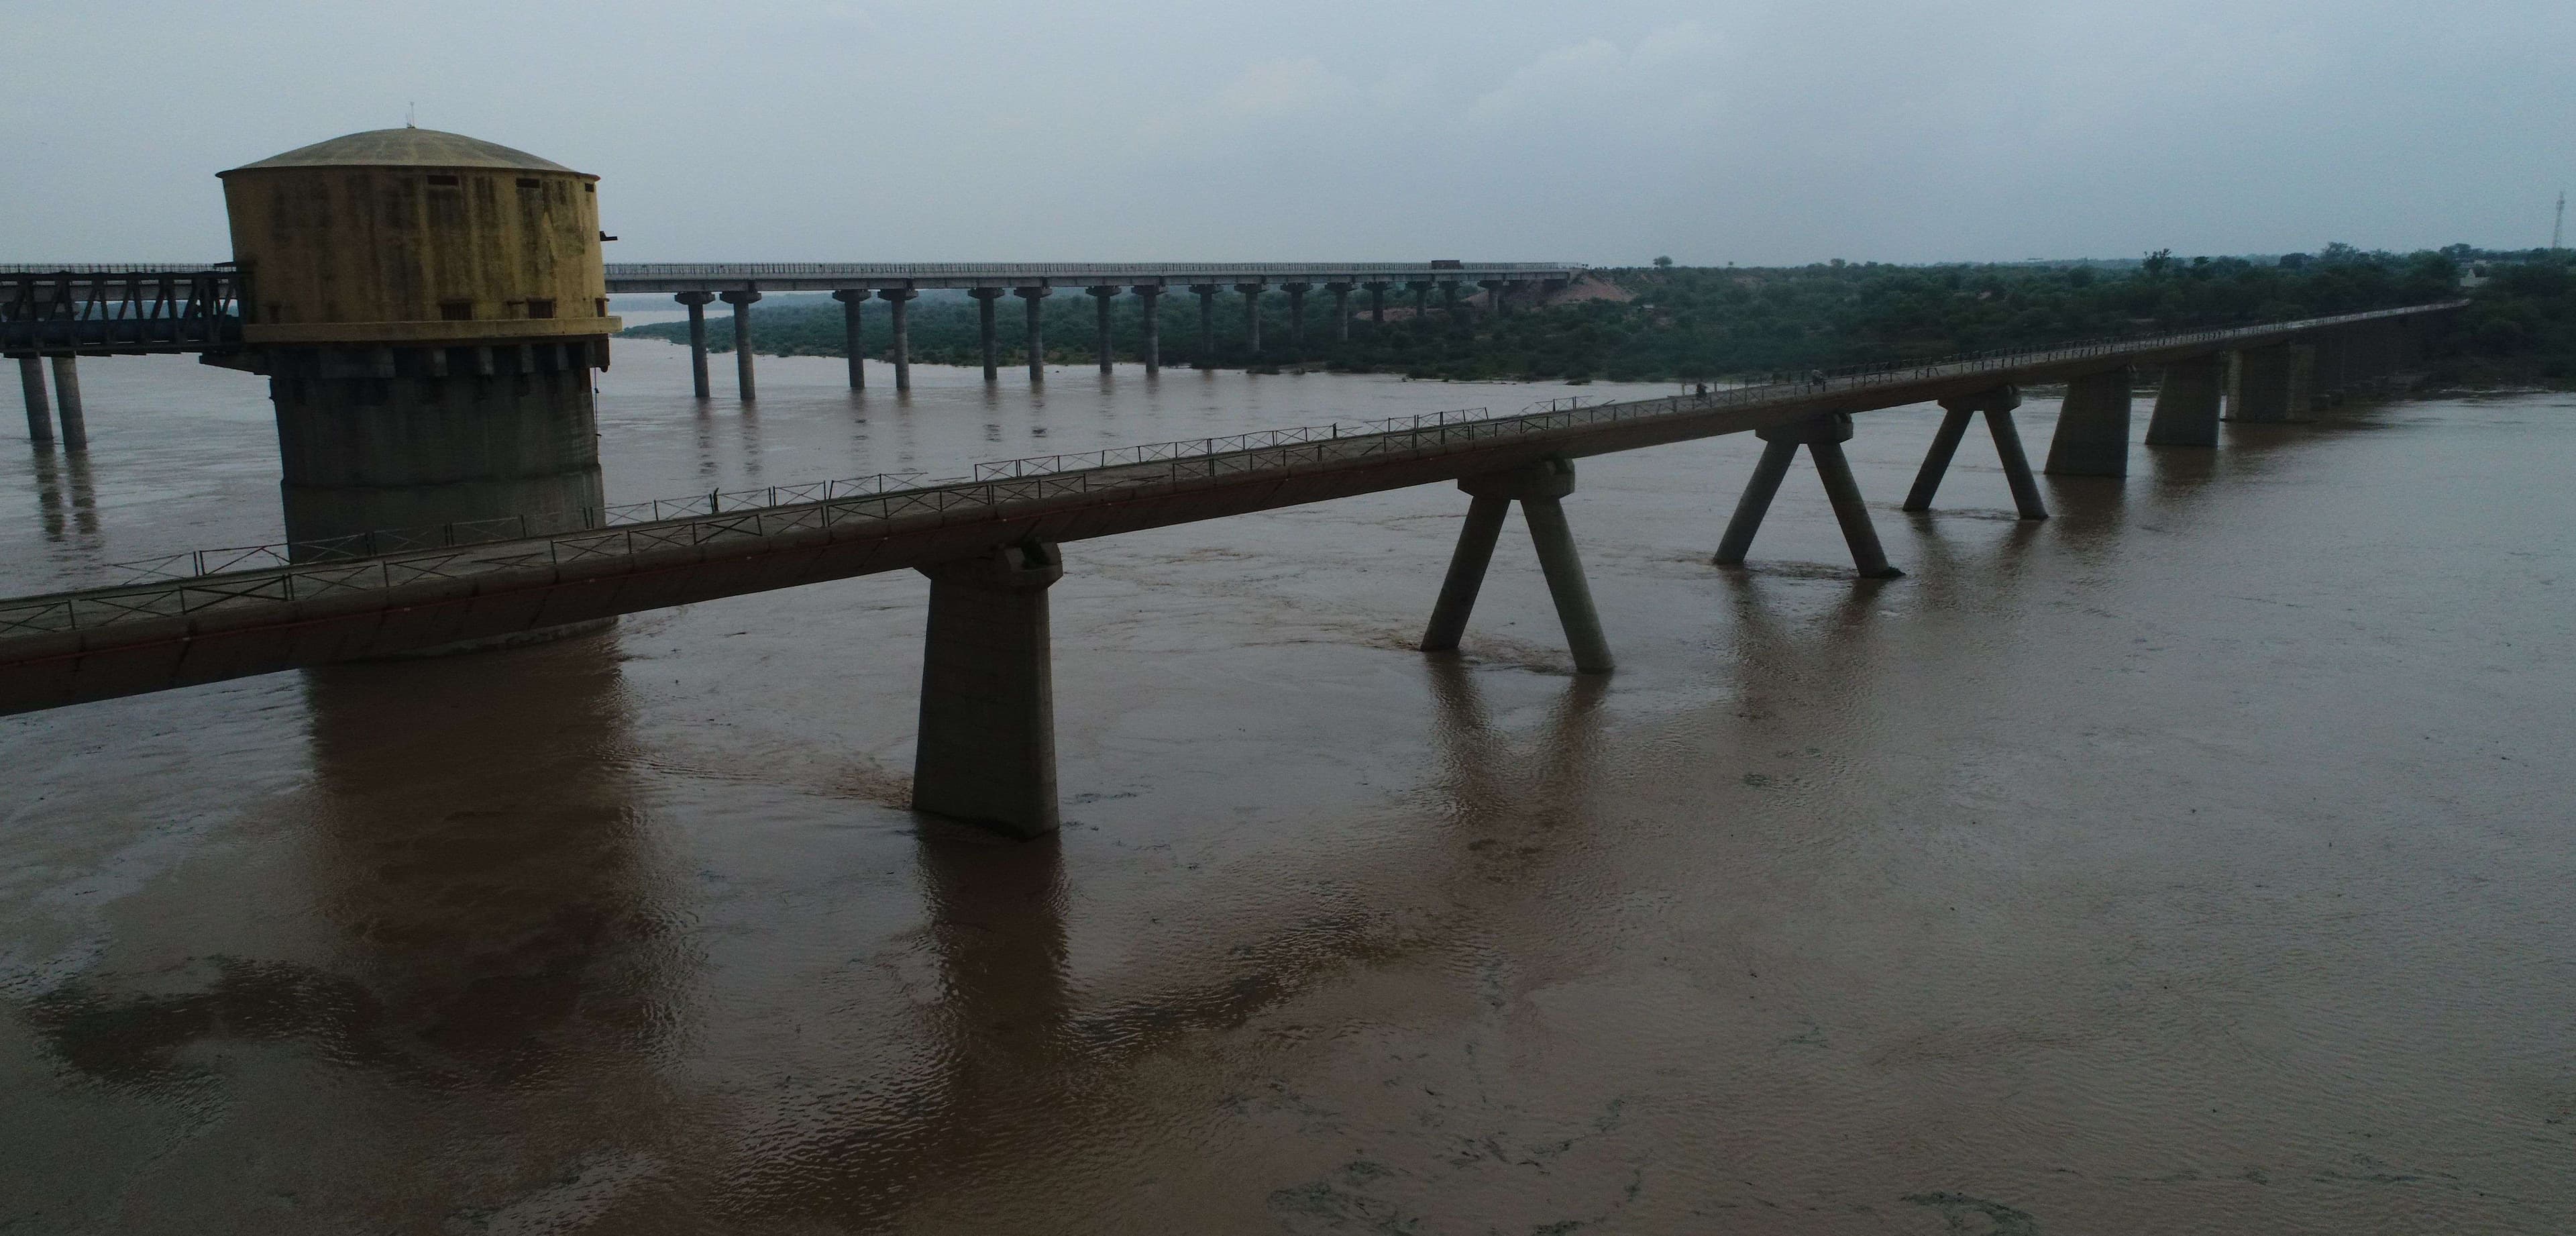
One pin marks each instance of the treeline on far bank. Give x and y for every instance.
(1704, 323)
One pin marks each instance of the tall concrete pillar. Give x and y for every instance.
(898, 307)
(1341, 311)
(986, 749)
(2093, 426)
(1538, 487)
(697, 303)
(67, 402)
(1494, 290)
(1377, 305)
(1823, 436)
(1997, 405)
(1421, 301)
(1207, 323)
(2258, 385)
(742, 345)
(1100, 298)
(40, 410)
(984, 298)
(1036, 331)
(1296, 315)
(1251, 315)
(2187, 402)
(1449, 299)
(853, 339)
(1152, 295)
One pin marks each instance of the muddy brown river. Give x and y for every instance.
(2196, 861)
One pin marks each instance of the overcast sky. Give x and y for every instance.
(1593, 131)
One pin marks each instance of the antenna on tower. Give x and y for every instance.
(411, 120)
(2558, 230)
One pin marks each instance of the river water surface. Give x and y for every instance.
(2196, 861)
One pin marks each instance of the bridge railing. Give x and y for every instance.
(268, 574)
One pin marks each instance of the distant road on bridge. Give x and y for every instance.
(191, 628)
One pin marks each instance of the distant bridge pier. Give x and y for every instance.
(984, 298)
(1341, 311)
(1539, 488)
(1036, 331)
(1296, 314)
(1100, 299)
(1823, 436)
(40, 410)
(743, 378)
(1152, 295)
(1252, 315)
(853, 339)
(986, 749)
(697, 303)
(2259, 382)
(1449, 299)
(1421, 299)
(899, 319)
(1377, 303)
(2092, 436)
(1494, 292)
(1997, 405)
(2187, 402)
(1207, 323)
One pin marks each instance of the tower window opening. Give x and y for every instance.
(442, 182)
(588, 187)
(456, 311)
(540, 308)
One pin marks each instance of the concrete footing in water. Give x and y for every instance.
(2187, 402)
(986, 749)
(1539, 488)
(2092, 436)
(1823, 436)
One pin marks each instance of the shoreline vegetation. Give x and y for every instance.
(1677, 323)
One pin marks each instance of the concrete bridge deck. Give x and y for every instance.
(332, 605)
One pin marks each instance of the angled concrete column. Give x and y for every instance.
(1152, 295)
(697, 303)
(1997, 405)
(986, 751)
(1100, 305)
(853, 339)
(1538, 487)
(984, 298)
(2187, 402)
(899, 314)
(40, 409)
(67, 402)
(1296, 314)
(1251, 315)
(1823, 436)
(2093, 426)
(1207, 323)
(741, 302)
(1377, 305)
(1036, 298)
(1341, 311)
(2258, 385)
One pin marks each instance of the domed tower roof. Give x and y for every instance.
(406, 147)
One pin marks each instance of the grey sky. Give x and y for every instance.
(1323, 129)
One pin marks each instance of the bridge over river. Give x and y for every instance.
(990, 542)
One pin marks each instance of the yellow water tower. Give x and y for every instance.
(428, 308)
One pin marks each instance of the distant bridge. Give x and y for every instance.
(989, 542)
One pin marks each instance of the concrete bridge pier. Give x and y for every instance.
(986, 750)
(697, 303)
(2259, 384)
(742, 375)
(2187, 402)
(67, 402)
(40, 410)
(1252, 314)
(1494, 291)
(1152, 295)
(1036, 298)
(1100, 306)
(1377, 305)
(1449, 299)
(853, 339)
(1341, 311)
(1421, 300)
(1823, 435)
(1998, 405)
(984, 298)
(1539, 487)
(1296, 314)
(898, 308)
(2093, 426)
(1207, 323)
